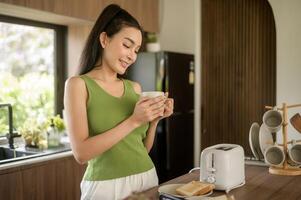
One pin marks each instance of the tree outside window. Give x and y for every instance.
(26, 73)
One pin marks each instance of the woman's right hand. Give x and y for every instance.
(147, 109)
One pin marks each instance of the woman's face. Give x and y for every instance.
(120, 50)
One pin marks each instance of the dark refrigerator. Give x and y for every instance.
(172, 152)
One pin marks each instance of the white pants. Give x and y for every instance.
(119, 188)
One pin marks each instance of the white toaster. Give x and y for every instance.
(223, 165)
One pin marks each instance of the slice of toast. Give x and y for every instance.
(194, 188)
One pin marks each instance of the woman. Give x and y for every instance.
(109, 126)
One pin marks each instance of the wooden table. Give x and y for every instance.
(259, 185)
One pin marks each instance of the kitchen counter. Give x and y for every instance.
(260, 185)
(37, 155)
(36, 159)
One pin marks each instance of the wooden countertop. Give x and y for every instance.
(260, 185)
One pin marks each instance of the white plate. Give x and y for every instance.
(170, 189)
(254, 140)
(265, 138)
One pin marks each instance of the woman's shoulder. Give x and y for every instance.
(75, 90)
(75, 82)
(136, 86)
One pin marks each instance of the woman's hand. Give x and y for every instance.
(168, 108)
(148, 109)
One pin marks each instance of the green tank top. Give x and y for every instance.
(104, 112)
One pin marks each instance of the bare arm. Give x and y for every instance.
(151, 133)
(84, 147)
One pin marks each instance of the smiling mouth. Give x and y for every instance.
(124, 64)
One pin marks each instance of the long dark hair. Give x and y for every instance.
(111, 20)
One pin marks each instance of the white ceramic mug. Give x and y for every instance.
(272, 120)
(274, 156)
(295, 154)
(152, 94)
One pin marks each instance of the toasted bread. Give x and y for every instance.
(194, 188)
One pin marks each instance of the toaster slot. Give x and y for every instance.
(210, 169)
(224, 148)
(210, 163)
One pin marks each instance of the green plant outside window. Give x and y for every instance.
(26, 74)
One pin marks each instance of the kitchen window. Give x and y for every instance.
(32, 70)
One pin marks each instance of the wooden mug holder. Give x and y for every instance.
(286, 169)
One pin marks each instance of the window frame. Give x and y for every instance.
(60, 44)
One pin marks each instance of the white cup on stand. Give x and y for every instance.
(274, 156)
(294, 154)
(272, 120)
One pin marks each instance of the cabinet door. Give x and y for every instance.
(56, 179)
(39, 182)
(68, 177)
(146, 11)
(11, 186)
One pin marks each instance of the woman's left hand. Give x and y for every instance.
(168, 108)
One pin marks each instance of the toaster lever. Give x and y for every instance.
(211, 179)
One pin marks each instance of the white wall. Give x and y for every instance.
(177, 25)
(180, 32)
(288, 33)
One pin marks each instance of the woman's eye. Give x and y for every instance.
(126, 46)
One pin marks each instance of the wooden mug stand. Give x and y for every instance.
(286, 169)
